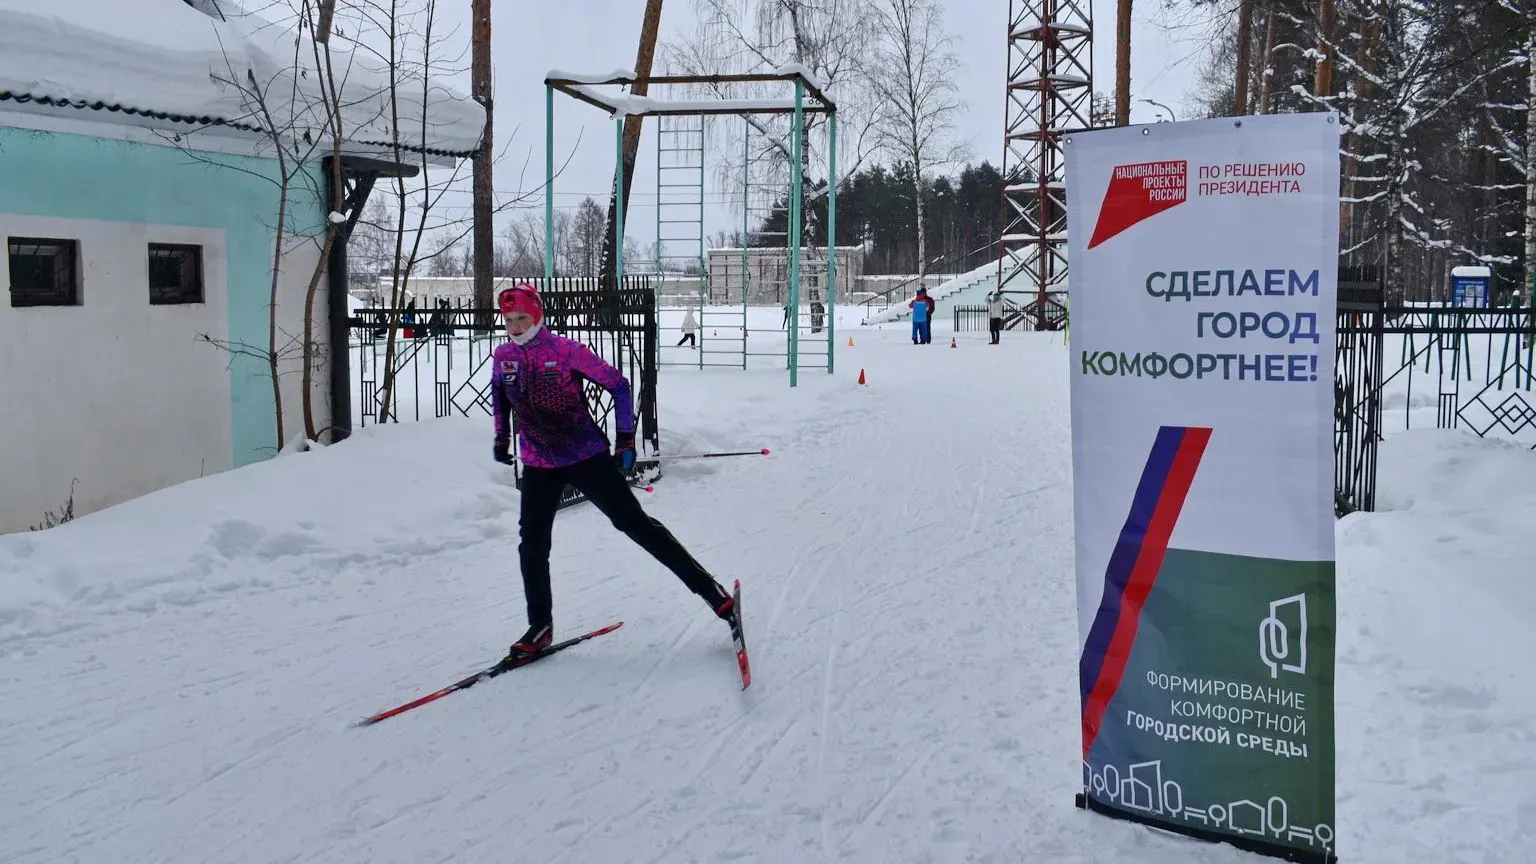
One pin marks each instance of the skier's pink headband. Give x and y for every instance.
(521, 298)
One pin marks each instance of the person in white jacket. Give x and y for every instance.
(690, 327)
(995, 315)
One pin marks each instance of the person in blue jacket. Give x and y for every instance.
(922, 317)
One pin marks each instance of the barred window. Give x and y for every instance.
(44, 272)
(175, 274)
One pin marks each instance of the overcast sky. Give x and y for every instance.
(532, 37)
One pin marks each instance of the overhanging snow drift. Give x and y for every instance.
(165, 61)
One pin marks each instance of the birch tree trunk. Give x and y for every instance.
(913, 75)
(922, 226)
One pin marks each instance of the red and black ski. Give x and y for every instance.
(490, 672)
(739, 640)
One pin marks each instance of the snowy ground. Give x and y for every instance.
(177, 674)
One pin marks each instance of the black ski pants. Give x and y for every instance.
(603, 484)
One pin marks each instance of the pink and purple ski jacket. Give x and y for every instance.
(541, 383)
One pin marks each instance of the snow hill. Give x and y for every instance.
(179, 673)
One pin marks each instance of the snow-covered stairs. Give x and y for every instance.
(984, 275)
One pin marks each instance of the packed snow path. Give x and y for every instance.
(178, 675)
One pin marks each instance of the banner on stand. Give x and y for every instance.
(1204, 260)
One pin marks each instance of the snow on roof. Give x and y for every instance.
(164, 60)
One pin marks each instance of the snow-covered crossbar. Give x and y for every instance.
(586, 88)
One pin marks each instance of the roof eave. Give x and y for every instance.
(191, 123)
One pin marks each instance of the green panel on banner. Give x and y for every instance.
(1224, 717)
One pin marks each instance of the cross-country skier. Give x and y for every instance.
(538, 377)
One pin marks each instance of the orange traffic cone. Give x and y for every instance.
(850, 341)
(952, 342)
(861, 378)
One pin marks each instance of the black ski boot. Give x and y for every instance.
(724, 607)
(535, 640)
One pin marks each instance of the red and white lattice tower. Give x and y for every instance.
(1050, 92)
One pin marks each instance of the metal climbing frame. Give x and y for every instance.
(808, 99)
(680, 221)
(767, 262)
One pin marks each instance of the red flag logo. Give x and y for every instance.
(1139, 192)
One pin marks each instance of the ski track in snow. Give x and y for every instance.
(906, 565)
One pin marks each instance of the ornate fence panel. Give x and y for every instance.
(442, 349)
(1357, 397)
(1404, 367)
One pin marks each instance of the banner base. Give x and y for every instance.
(1284, 853)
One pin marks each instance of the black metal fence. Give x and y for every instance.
(969, 319)
(1052, 315)
(1446, 367)
(1357, 398)
(443, 347)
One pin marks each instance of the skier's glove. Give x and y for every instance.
(500, 453)
(624, 451)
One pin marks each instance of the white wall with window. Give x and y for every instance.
(110, 379)
(115, 383)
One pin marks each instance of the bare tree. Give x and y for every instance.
(913, 78)
(827, 38)
(587, 238)
(321, 101)
(291, 171)
(523, 252)
(444, 258)
(372, 241)
(412, 69)
(293, 120)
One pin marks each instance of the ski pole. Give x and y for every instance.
(762, 452)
